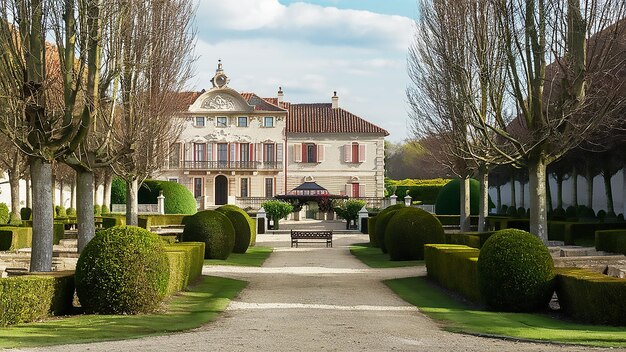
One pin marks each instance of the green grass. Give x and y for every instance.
(457, 317)
(254, 256)
(188, 310)
(375, 258)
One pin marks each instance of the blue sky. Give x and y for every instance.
(312, 48)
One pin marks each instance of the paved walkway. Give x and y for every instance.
(316, 299)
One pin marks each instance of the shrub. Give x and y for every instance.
(4, 213)
(97, 210)
(454, 267)
(470, 239)
(381, 224)
(25, 213)
(570, 212)
(620, 217)
(349, 209)
(521, 212)
(15, 220)
(122, 270)
(242, 223)
(147, 221)
(112, 220)
(503, 209)
(601, 214)
(613, 241)
(104, 209)
(512, 212)
(178, 199)
(214, 229)
(71, 212)
(584, 212)
(408, 231)
(371, 231)
(276, 210)
(58, 231)
(118, 191)
(515, 271)
(186, 262)
(14, 238)
(448, 199)
(559, 214)
(60, 211)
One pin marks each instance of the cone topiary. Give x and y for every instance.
(381, 223)
(243, 225)
(515, 272)
(214, 229)
(408, 230)
(122, 270)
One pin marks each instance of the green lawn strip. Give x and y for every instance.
(457, 317)
(188, 310)
(375, 258)
(254, 256)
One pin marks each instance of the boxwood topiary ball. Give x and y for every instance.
(381, 223)
(409, 230)
(243, 225)
(214, 229)
(515, 272)
(122, 270)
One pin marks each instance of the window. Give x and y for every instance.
(242, 121)
(222, 152)
(268, 121)
(354, 153)
(197, 187)
(310, 155)
(244, 187)
(244, 152)
(173, 179)
(269, 187)
(175, 155)
(222, 121)
(199, 121)
(199, 151)
(269, 152)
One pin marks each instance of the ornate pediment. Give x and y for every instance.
(219, 102)
(221, 99)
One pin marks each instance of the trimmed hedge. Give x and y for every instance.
(454, 267)
(591, 297)
(371, 231)
(455, 219)
(35, 296)
(122, 270)
(243, 225)
(58, 231)
(26, 213)
(515, 272)
(571, 232)
(186, 262)
(613, 241)
(214, 229)
(448, 199)
(14, 238)
(147, 221)
(112, 220)
(408, 231)
(381, 224)
(4, 213)
(470, 239)
(178, 199)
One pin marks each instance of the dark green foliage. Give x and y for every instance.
(620, 217)
(178, 199)
(35, 296)
(104, 209)
(15, 220)
(349, 209)
(512, 212)
(559, 214)
(97, 210)
(25, 213)
(470, 239)
(515, 272)
(448, 200)
(186, 260)
(601, 214)
(427, 194)
(613, 241)
(408, 231)
(4, 213)
(14, 238)
(570, 212)
(241, 223)
(585, 212)
(112, 220)
(60, 211)
(521, 212)
(503, 209)
(276, 210)
(118, 191)
(381, 224)
(122, 270)
(454, 267)
(71, 212)
(147, 221)
(214, 229)
(591, 297)
(371, 231)
(58, 231)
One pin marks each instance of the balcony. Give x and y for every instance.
(225, 165)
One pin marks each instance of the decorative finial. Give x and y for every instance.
(280, 90)
(335, 93)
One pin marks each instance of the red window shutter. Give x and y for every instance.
(297, 152)
(361, 153)
(347, 153)
(304, 156)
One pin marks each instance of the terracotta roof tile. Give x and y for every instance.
(322, 118)
(261, 104)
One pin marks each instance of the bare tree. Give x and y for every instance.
(15, 163)
(156, 47)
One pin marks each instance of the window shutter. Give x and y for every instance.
(297, 152)
(233, 150)
(361, 153)
(188, 152)
(361, 190)
(279, 152)
(347, 153)
(349, 189)
(305, 158)
(320, 153)
(259, 151)
(209, 151)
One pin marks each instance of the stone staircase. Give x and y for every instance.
(589, 258)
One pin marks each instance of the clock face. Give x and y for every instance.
(220, 80)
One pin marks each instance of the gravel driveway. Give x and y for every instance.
(316, 299)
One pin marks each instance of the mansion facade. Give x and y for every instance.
(237, 147)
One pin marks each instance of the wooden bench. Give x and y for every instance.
(326, 236)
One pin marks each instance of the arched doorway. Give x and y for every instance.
(221, 190)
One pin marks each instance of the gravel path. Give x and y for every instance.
(316, 299)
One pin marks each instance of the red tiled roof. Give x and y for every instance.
(322, 118)
(261, 104)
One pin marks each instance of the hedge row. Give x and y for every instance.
(147, 221)
(613, 241)
(455, 219)
(454, 267)
(591, 297)
(112, 220)
(186, 260)
(427, 193)
(14, 238)
(470, 239)
(35, 296)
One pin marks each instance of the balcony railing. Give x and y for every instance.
(225, 165)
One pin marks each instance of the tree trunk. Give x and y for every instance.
(464, 216)
(73, 194)
(96, 181)
(589, 178)
(538, 211)
(41, 176)
(575, 187)
(498, 199)
(132, 206)
(29, 203)
(559, 191)
(522, 195)
(14, 183)
(483, 210)
(608, 190)
(84, 211)
(61, 194)
(624, 191)
(54, 191)
(108, 180)
(548, 195)
(513, 196)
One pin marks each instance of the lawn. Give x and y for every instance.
(188, 310)
(254, 256)
(457, 317)
(375, 258)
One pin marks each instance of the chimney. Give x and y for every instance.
(335, 100)
(280, 97)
